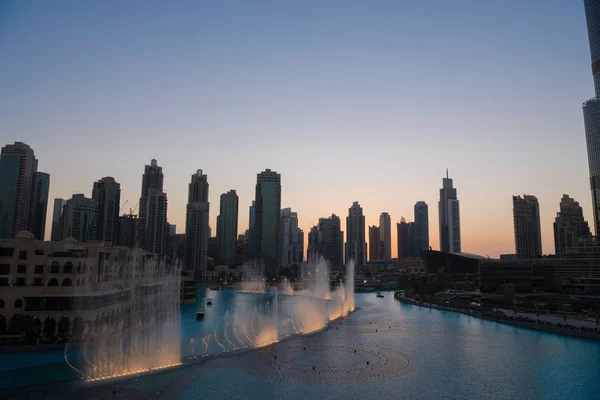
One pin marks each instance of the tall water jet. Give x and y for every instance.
(253, 278)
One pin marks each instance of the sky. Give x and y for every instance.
(347, 100)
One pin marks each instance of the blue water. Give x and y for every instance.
(451, 356)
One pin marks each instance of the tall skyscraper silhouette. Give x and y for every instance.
(79, 219)
(528, 235)
(356, 247)
(405, 247)
(57, 212)
(449, 217)
(196, 226)
(39, 206)
(290, 248)
(18, 167)
(385, 236)
(327, 240)
(375, 245)
(151, 180)
(107, 194)
(591, 108)
(267, 215)
(227, 227)
(569, 225)
(421, 228)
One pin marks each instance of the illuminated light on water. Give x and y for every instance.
(136, 372)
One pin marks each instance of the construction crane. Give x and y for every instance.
(124, 204)
(134, 208)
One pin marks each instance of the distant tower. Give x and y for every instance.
(227, 227)
(375, 244)
(404, 239)
(591, 108)
(569, 225)
(40, 205)
(327, 240)
(528, 236)
(56, 218)
(289, 238)
(107, 193)
(196, 225)
(152, 179)
(18, 168)
(449, 217)
(421, 228)
(156, 228)
(79, 219)
(356, 247)
(266, 234)
(385, 236)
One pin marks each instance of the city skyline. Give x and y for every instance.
(186, 123)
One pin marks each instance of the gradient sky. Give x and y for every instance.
(348, 100)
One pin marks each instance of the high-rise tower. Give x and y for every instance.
(39, 205)
(528, 236)
(267, 215)
(591, 108)
(449, 217)
(151, 180)
(227, 227)
(385, 236)
(421, 228)
(196, 225)
(18, 168)
(356, 247)
(290, 248)
(107, 193)
(569, 225)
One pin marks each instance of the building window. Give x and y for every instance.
(39, 252)
(6, 251)
(55, 268)
(68, 268)
(38, 281)
(39, 269)
(20, 282)
(23, 255)
(3, 281)
(4, 269)
(18, 303)
(21, 269)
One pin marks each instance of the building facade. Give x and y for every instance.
(197, 231)
(290, 247)
(356, 247)
(421, 228)
(569, 226)
(152, 179)
(385, 236)
(57, 213)
(107, 194)
(79, 219)
(375, 244)
(128, 231)
(227, 228)
(591, 108)
(267, 215)
(449, 211)
(18, 167)
(40, 205)
(405, 243)
(156, 229)
(528, 233)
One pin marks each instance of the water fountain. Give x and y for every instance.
(141, 331)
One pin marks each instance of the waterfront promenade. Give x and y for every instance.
(548, 323)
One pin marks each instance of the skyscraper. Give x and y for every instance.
(528, 236)
(591, 108)
(79, 219)
(375, 244)
(107, 194)
(405, 248)
(56, 218)
(300, 234)
(449, 217)
(252, 216)
(421, 228)
(156, 229)
(197, 230)
(385, 236)
(290, 248)
(266, 235)
(18, 168)
(227, 227)
(313, 243)
(128, 231)
(327, 240)
(569, 225)
(356, 247)
(40, 205)
(152, 179)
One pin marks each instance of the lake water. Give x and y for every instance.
(385, 349)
